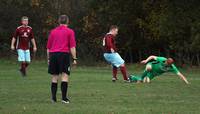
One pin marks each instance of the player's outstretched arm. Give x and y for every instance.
(152, 57)
(183, 78)
(13, 44)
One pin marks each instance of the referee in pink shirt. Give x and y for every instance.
(61, 43)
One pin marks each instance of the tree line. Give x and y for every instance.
(168, 28)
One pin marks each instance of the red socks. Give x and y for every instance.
(123, 70)
(124, 73)
(23, 66)
(26, 64)
(114, 71)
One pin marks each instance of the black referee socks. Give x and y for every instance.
(64, 87)
(54, 91)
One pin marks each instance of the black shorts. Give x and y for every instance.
(59, 62)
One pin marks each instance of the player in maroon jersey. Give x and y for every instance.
(111, 55)
(21, 42)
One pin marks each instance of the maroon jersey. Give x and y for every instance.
(108, 43)
(23, 35)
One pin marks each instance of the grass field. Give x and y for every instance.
(92, 92)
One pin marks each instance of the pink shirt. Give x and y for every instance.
(61, 39)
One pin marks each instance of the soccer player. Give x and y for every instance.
(111, 55)
(155, 66)
(61, 43)
(23, 35)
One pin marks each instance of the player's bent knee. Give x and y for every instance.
(148, 68)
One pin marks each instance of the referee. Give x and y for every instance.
(61, 43)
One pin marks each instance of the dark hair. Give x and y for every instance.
(63, 19)
(113, 27)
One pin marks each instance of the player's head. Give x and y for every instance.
(169, 61)
(114, 29)
(63, 19)
(24, 20)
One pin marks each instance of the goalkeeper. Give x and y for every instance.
(155, 66)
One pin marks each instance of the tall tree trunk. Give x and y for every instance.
(198, 60)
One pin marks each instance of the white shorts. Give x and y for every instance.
(24, 55)
(114, 58)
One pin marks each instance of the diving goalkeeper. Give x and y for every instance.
(155, 66)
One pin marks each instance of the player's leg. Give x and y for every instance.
(134, 78)
(146, 71)
(148, 77)
(109, 58)
(114, 72)
(124, 72)
(23, 68)
(21, 59)
(119, 62)
(143, 77)
(27, 58)
(64, 69)
(148, 74)
(54, 86)
(64, 87)
(54, 71)
(116, 60)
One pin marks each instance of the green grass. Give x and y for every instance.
(92, 92)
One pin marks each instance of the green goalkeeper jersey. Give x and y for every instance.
(159, 67)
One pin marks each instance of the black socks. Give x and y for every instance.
(54, 91)
(64, 87)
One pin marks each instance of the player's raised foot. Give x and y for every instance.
(23, 72)
(65, 101)
(114, 79)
